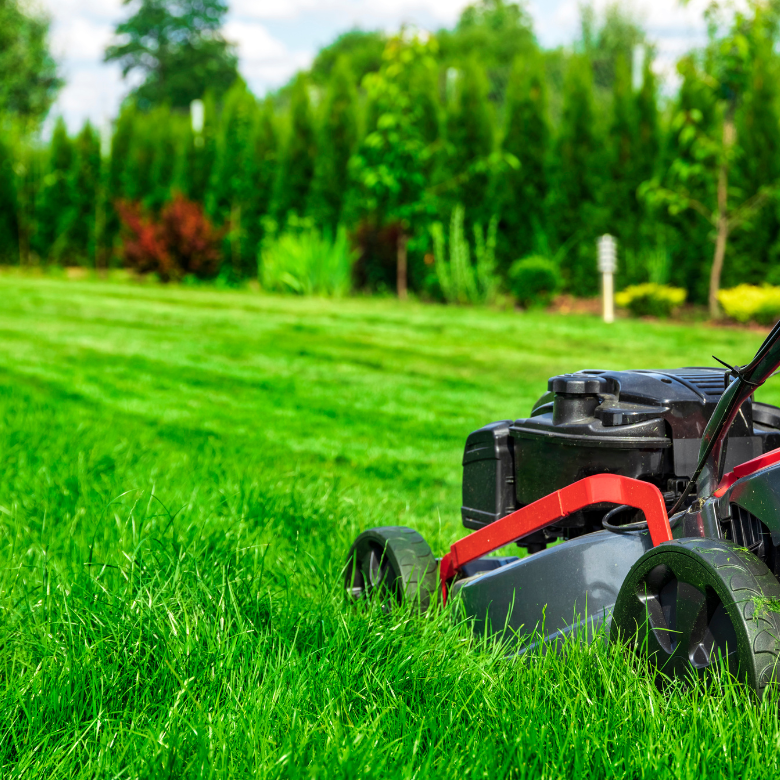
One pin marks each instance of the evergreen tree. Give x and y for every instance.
(232, 198)
(197, 153)
(337, 141)
(9, 232)
(84, 184)
(168, 135)
(266, 145)
(579, 179)
(695, 114)
(179, 48)
(621, 192)
(648, 146)
(296, 165)
(522, 191)
(54, 199)
(470, 139)
(121, 144)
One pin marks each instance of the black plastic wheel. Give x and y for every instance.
(392, 564)
(692, 601)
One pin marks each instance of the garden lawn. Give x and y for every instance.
(181, 474)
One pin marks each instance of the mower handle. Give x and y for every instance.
(709, 470)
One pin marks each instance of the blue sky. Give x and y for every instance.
(277, 37)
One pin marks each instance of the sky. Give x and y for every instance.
(275, 38)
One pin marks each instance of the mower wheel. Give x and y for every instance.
(392, 564)
(691, 602)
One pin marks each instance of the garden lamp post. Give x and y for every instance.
(607, 247)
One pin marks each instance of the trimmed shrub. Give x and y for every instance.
(650, 299)
(747, 302)
(534, 280)
(182, 241)
(303, 261)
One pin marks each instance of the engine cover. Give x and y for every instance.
(644, 424)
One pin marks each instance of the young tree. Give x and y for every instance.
(54, 198)
(391, 168)
(522, 191)
(178, 47)
(296, 165)
(724, 73)
(29, 80)
(338, 137)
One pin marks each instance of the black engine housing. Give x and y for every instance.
(643, 424)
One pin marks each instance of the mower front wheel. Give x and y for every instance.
(692, 603)
(393, 565)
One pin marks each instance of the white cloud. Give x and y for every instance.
(265, 61)
(80, 39)
(368, 14)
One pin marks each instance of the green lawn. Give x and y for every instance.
(182, 473)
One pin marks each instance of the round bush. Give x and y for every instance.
(534, 280)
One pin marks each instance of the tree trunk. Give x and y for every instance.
(722, 224)
(403, 240)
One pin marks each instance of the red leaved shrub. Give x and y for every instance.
(180, 241)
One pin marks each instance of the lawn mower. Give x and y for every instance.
(648, 504)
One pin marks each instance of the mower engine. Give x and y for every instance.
(642, 424)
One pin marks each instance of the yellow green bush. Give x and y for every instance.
(750, 303)
(650, 299)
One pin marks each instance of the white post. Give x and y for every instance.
(607, 249)
(197, 117)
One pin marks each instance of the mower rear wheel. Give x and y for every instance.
(393, 565)
(691, 602)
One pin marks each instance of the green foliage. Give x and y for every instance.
(609, 40)
(470, 142)
(177, 47)
(522, 190)
(296, 164)
(460, 280)
(577, 204)
(54, 197)
(360, 51)
(390, 168)
(9, 231)
(234, 197)
(29, 82)
(304, 261)
(80, 221)
(338, 137)
(495, 31)
(651, 299)
(534, 280)
(751, 303)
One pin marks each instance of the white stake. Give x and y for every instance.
(607, 250)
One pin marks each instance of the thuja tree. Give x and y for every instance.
(266, 151)
(54, 197)
(723, 75)
(81, 220)
(296, 164)
(522, 190)
(577, 211)
(338, 136)
(391, 167)
(470, 144)
(196, 156)
(232, 199)
(121, 142)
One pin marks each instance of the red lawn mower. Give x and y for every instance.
(662, 491)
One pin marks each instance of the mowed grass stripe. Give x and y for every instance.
(182, 472)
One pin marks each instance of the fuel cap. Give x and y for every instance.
(579, 384)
